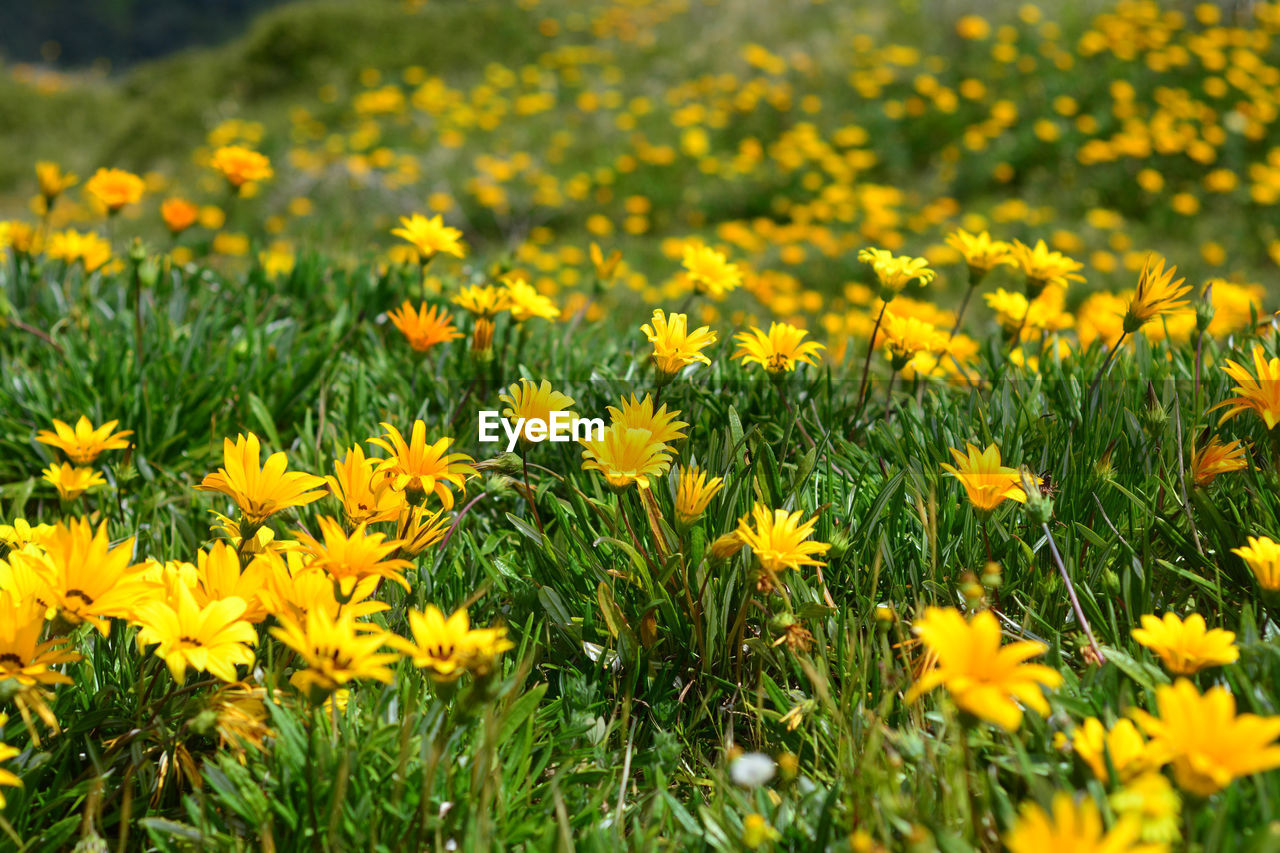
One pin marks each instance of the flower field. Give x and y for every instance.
(647, 424)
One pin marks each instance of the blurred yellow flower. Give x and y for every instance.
(1123, 746)
(1262, 555)
(178, 214)
(1072, 826)
(1259, 391)
(240, 165)
(71, 482)
(1043, 267)
(709, 271)
(115, 188)
(85, 442)
(430, 236)
(53, 181)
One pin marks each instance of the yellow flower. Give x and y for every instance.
(639, 414)
(336, 650)
(424, 328)
(241, 711)
(1216, 458)
(178, 214)
(895, 272)
(419, 528)
(1186, 647)
(780, 540)
(296, 588)
(980, 252)
(1262, 555)
(1259, 391)
(1072, 827)
(449, 647)
(73, 247)
(624, 456)
(1209, 744)
(115, 188)
(726, 546)
(213, 639)
(756, 831)
(416, 467)
(534, 402)
(7, 777)
(709, 271)
(365, 496)
(218, 575)
(605, 268)
(987, 482)
(240, 165)
(694, 492)
(430, 236)
(1158, 294)
(22, 656)
(22, 533)
(985, 679)
(1043, 267)
(1152, 802)
(483, 302)
(83, 578)
(674, 346)
(25, 238)
(527, 302)
(906, 336)
(260, 493)
(72, 482)
(779, 351)
(1123, 745)
(53, 181)
(350, 559)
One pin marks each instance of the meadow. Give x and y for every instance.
(934, 503)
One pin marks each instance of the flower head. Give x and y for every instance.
(219, 575)
(1216, 458)
(178, 214)
(53, 181)
(425, 327)
(1072, 826)
(904, 337)
(709, 271)
(527, 302)
(984, 678)
(336, 649)
(419, 528)
(1123, 746)
(74, 247)
(350, 559)
(779, 539)
(240, 165)
(694, 492)
(71, 482)
(430, 236)
(365, 495)
(1043, 267)
(1209, 744)
(535, 402)
(895, 272)
(605, 267)
(22, 656)
(1259, 391)
(674, 346)
(416, 467)
(1262, 555)
(213, 639)
(1158, 294)
(1186, 647)
(115, 188)
(446, 648)
(625, 455)
(1151, 801)
(260, 492)
(987, 482)
(484, 302)
(980, 252)
(779, 351)
(662, 425)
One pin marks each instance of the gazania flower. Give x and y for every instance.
(694, 492)
(336, 650)
(53, 181)
(419, 528)
(527, 302)
(1072, 826)
(985, 679)
(72, 482)
(1186, 647)
(83, 443)
(605, 267)
(1158, 294)
(674, 346)
(1259, 391)
(241, 711)
(1262, 555)
(22, 533)
(726, 546)
(218, 576)
(1151, 801)
(296, 588)
(904, 337)
(980, 252)
(365, 496)
(260, 492)
(535, 402)
(1124, 746)
(1209, 744)
(987, 482)
(213, 639)
(779, 351)
(779, 539)
(416, 467)
(1043, 267)
(115, 188)
(895, 272)
(240, 165)
(22, 656)
(639, 414)
(430, 236)
(425, 327)
(24, 238)
(709, 271)
(73, 247)
(178, 214)
(349, 559)
(624, 456)
(483, 302)
(446, 648)
(83, 578)
(7, 777)
(1216, 458)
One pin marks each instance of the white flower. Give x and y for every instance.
(752, 769)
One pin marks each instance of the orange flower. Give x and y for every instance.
(240, 165)
(178, 214)
(424, 328)
(115, 188)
